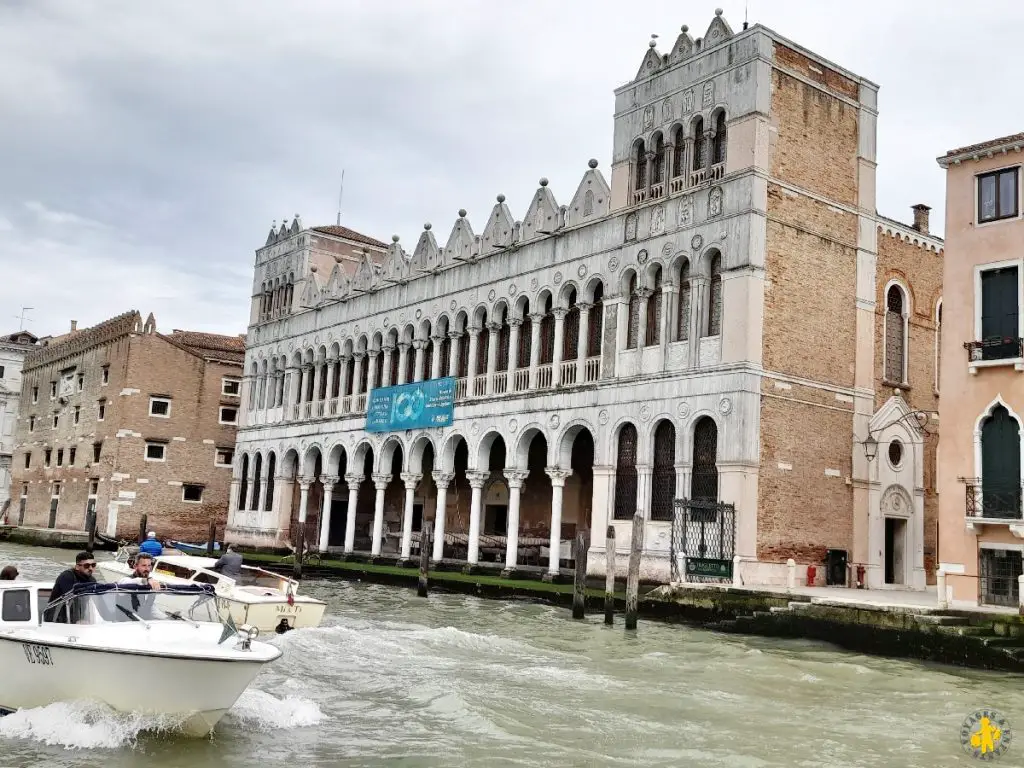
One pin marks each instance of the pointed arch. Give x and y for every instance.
(897, 321)
(626, 442)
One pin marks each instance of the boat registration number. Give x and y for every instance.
(37, 654)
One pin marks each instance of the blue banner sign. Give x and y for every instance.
(421, 405)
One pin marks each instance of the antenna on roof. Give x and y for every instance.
(341, 192)
(746, 14)
(21, 318)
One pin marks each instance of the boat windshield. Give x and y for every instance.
(257, 577)
(116, 603)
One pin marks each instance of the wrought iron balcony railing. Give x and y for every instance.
(994, 348)
(995, 502)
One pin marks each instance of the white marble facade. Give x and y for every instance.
(12, 354)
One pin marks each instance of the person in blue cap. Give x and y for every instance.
(151, 546)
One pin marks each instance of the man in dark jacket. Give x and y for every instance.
(229, 564)
(82, 573)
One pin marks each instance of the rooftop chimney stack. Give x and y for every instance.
(921, 217)
(74, 326)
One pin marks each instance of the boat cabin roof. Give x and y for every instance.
(196, 562)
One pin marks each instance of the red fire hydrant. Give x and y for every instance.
(811, 573)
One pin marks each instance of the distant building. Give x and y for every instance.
(128, 421)
(982, 406)
(728, 320)
(13, 349)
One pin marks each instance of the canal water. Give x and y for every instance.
(391, 679)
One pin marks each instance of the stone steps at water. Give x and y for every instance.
(964, 631)
(941, 619)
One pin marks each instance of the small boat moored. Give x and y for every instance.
(99, 640)
(193, 549)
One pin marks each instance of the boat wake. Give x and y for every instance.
(92, 725)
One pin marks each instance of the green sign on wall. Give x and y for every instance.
(705, 566)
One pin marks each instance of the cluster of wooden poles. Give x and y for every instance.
(579, 594)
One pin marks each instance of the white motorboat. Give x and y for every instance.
(162, 652)
(258, 598)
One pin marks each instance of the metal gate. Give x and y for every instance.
(703, 540)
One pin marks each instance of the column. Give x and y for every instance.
(253, 489)
(643, 489)
(492, 354)
(699, 289)
(371, 374)
(325, 511)
(417, 369)
(534, 348)
(513, 352)
(582, 340)
(558, 477)
(644, 295)
(262, 500)
(411, 480)
(236, 486)
(344, 384)
(515, 478)
(380, 482)
(453, 353)
(476, 482)
(650, 172)
(318, 377)
(353, 481)
(435, 357)
(357, 377)
(283, 488)
(556, 358)
(386, 373)
(441, 481)
(330, 377)
(300, 392)
(474, 353)
(304, 483)
(403, 357)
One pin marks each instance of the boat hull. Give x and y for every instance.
(189, 696)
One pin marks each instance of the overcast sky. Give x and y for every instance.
(145, 147)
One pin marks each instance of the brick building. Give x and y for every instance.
(13, 349)
(728, 320)
(129, 421)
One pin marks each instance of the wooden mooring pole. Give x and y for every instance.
(636, 544)
(211, 539)
(142, 527)
(90, 529)
(579, 582)
(300, 551)
(609, 576)
(424, 584)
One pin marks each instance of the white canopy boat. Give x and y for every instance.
(258, 598)
(157, 652)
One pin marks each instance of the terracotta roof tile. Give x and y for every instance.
(986, 144)
(229, 347)
(349, 234)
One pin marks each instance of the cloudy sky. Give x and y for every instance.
(145, 147)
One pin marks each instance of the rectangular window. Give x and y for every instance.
(28, 460)
(192, 493)
(71, 456)
(81, 382)
(94, 487)
(230, 387)
(55, 490)
(1000, 314)
(56, 420)
(35, 394)
(160, 407)
(60, 457)
(46, 457)
(17, 605)
(53, 390)
(1, 371)
(78, 413)
(31, 423)
(156, 452)
(998, 194)
(228, 415)
(225, 457)
(101, 410)
(97, 448)
(105, 375)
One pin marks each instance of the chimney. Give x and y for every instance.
(921, 217)
(74, 326)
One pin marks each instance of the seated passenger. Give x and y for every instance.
(141, 574)
(151, 546)
(230, 563)
(82, 573)
(9, 573)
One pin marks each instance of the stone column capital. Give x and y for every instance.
(354, 479)
(442, 479)
(516, 477)
(584, 306)
(559, 313)
(329, 480)
(358, 356)
(493, 327)
(418, 344)
(387, 349)
(515, 322)
(558, 476)
(536, 317)
(453, 335)
(411, 480)
(437, 338)
(477, 478)
(474, 331)
(333, 360)
(304, 483)
(403, 346)
(372, 353)
(380, 481)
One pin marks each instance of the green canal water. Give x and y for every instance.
(391, 679)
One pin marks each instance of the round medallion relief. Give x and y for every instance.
(316, 339)
(475, 428)
(696, 242)
(419, 313)
(387, 322)
(642, 256)
(582, 271)
(513, 425)
(558, 277)
(725, 406)
(666, 249)
(491, 294)
(512, 289)
(602, 417)
(554, 421)
(533, 284)
(613, 263)
(645, 413)
(683, 410)
(453, 305)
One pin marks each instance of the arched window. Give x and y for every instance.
(547, 334)
(463, 368)
(683, 320)
(625, 474)
(395, 355)
(253, 386)
(504, 333)
(938, 344)
(704, 480)
(243, 485)
(350, 375)
(268, 502)
(595, 319)
(663, 477)
(895, 335)
(257, 477)
(679, 153)
(699, 144)
(446, 354)
(633, 321)
(640, 167)
(718, 142)
(410, 363)
(525, 339)
(658, 174)
(571, 329)
(1000, 465)
(281, 381)
(715, 298)
(652, 334)
(364, 373)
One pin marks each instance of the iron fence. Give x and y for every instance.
(703, 540)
